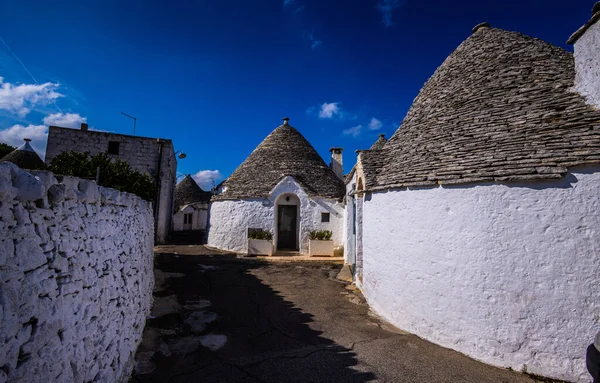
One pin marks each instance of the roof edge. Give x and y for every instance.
(581, 31)
(166, 140)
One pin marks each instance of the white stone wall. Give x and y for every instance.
(349, 224)
(507, 274)
(76, 278)
(199, 213)
(229, 220)
(587, 65)
(142, 153)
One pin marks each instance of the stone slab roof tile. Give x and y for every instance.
(284, 152)
(25, 157)
(500, 108)
(188, 191)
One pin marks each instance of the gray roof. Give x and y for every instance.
(284, 152)
(188, 191)
(377, 145)
(500, 108)
(25, 157)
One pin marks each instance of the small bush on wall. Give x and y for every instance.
(320, 235)
(113, 174)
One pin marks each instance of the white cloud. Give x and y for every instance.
(387, 7)
(353, 131)
(330, 109)
(375, 124)
(204, 178)
(65, 120)
(314, 41)
(20, 99)
(37, 133)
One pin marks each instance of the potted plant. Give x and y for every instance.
(260, 242)
(320, 243)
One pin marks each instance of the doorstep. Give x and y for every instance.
(285, 256)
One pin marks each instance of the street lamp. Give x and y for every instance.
(181, 155)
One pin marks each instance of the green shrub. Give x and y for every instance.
(320, 235)
(5, 149)
(113, 174)
(260, 234)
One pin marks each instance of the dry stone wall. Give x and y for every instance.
(75, 278)
(142, 153)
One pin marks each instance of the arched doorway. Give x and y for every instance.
(287, 222)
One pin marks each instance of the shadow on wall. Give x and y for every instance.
(565, 182)
(268, 339)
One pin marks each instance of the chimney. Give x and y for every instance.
(336, 162)
(84, 126)
(286, 120)
(587, 58)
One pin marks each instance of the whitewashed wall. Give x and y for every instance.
(587, 65)
(505, 274)
(349, 226)
(199, 217)
(229, 220)
(76, 278)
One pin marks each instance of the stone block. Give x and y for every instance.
(45, 177)
(30, 188)
(88, 191)
(7, 250)
(71, 187)
(7, 190)
(110, 196)
(56, 194)
(29, 254)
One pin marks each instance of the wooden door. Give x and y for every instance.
(287, 228)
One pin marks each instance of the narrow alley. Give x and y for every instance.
(218, 318)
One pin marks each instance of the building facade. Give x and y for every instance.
(191, 207)
(284, 187)
(153, 156)
(475, 225)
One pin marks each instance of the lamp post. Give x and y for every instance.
(134, 121)
(181, 155)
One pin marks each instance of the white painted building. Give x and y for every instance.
(476, 225)
(285, 187)
(191, 207)
(153, 156)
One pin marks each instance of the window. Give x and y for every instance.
(324, 217)
(187, 218)
(113, 147)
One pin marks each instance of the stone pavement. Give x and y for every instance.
(218, 318)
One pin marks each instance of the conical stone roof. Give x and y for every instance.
(378, 145)
(500, 108)
(25, 157)
(284, 152)
(188, 191)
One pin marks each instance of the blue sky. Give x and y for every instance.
(217, 76)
